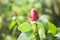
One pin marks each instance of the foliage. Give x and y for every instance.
(9, 27)
(41, 30)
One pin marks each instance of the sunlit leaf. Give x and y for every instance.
(51, 28)
(58, 29)
(24, 27)
(58, 35)
(41, 30)
(44, 19)
(25, 36)
(12, 24)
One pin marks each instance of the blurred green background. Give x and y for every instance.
(50, 8)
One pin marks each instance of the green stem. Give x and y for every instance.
(14, 30)
(35, 30)
(37, 34)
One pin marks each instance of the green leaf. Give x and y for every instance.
(24, 27)
(58, 29)
(51, 28)
(25, 36)
(58, 35)
(12, 24)
(41, 30)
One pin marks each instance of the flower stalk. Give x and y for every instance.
(33, 18)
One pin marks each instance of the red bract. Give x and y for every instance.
(33, 15)
(15, 14)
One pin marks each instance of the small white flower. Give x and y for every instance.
(13, 18)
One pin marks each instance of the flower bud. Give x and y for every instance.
(15, 14)
(33, 15)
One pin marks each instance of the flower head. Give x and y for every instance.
(33, 15)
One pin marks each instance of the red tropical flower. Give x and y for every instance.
(33, 15)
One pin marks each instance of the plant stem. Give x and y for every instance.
(36, 34)
(14, 30)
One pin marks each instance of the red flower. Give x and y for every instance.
(33, 15)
